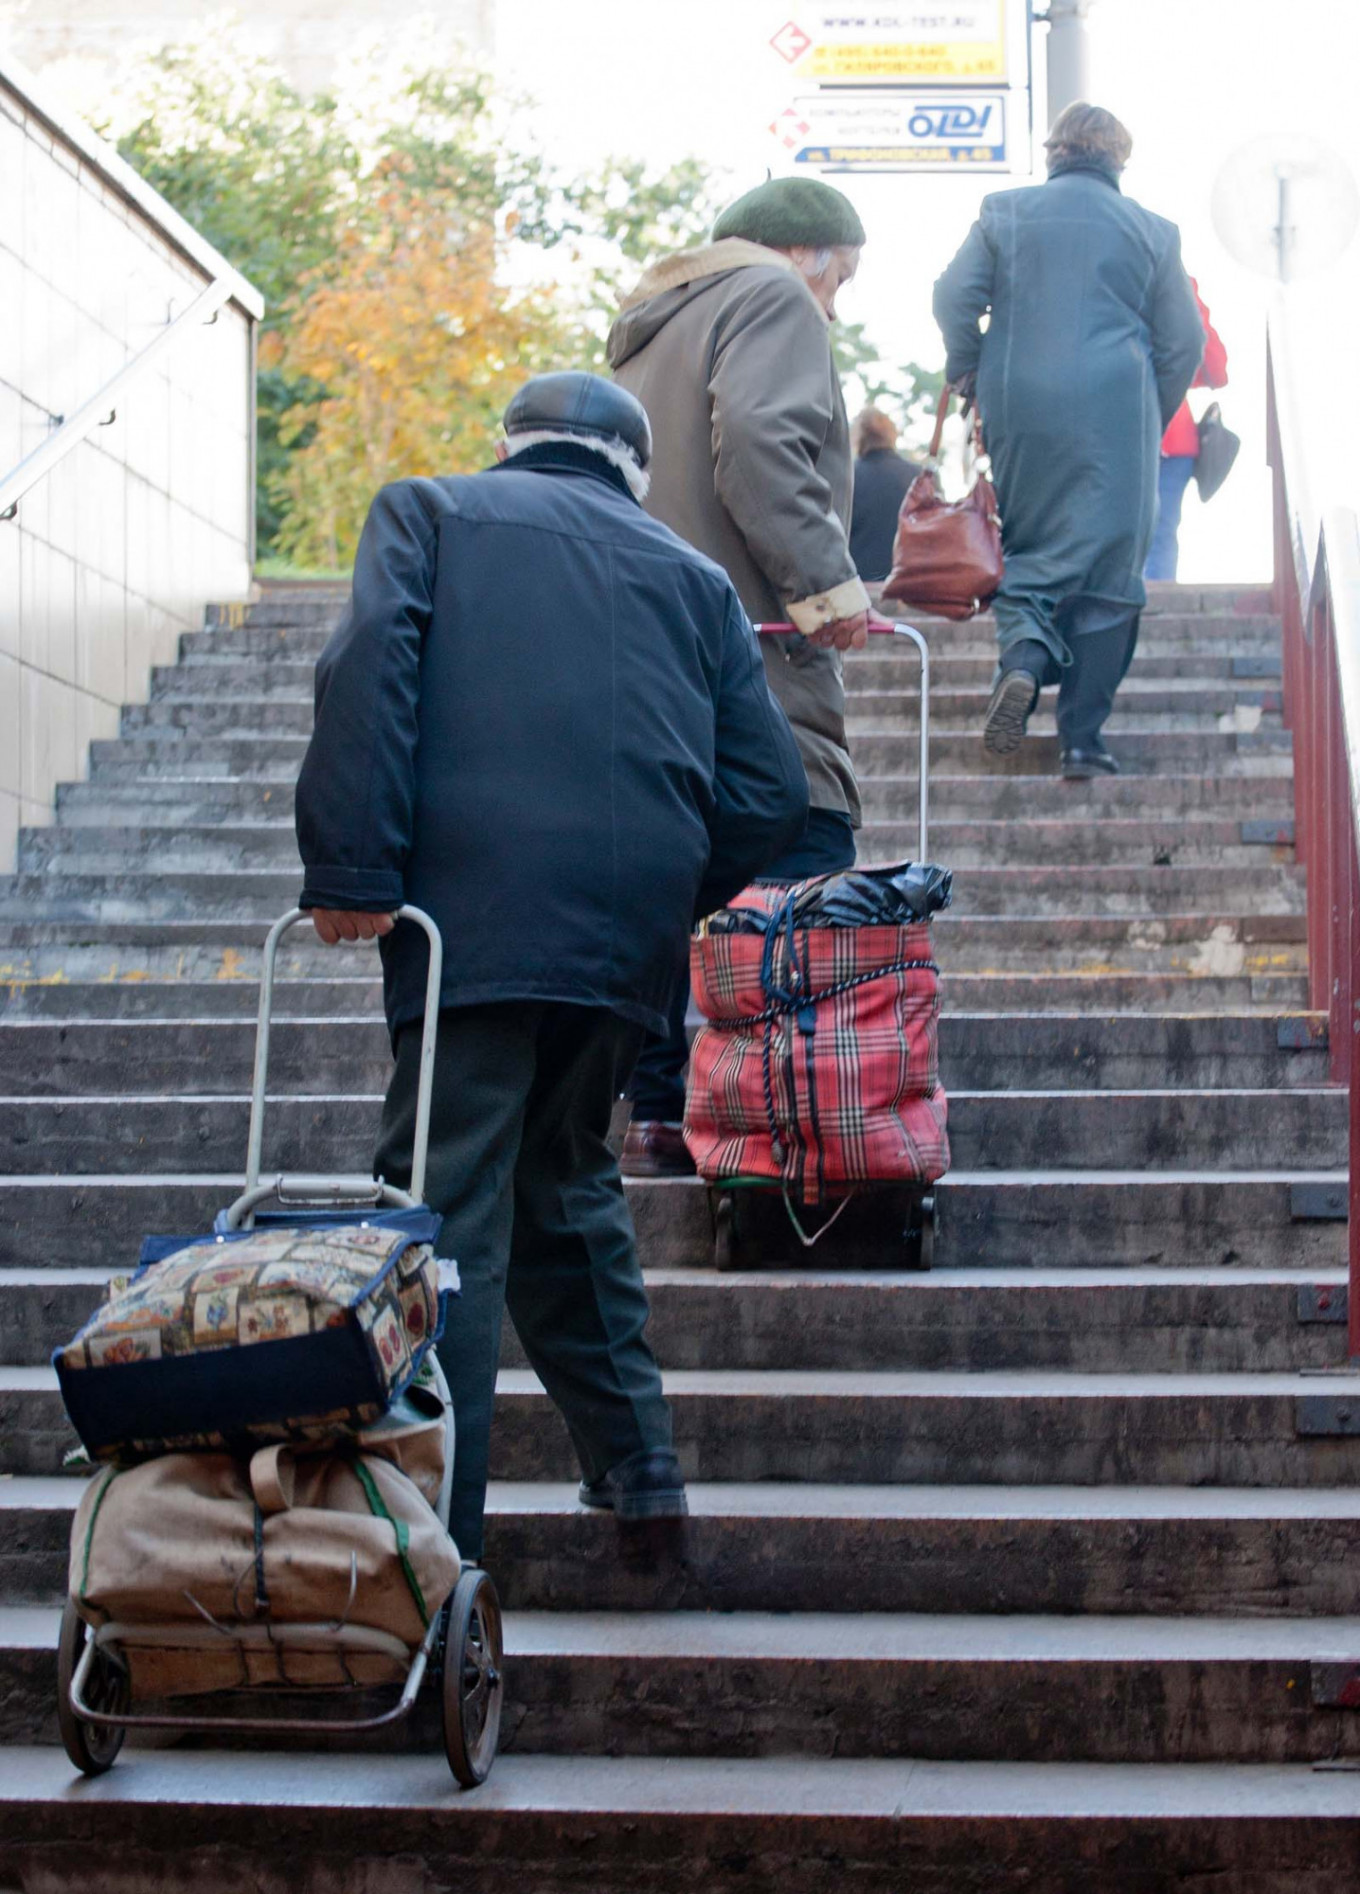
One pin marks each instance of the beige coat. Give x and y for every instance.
(729, 352)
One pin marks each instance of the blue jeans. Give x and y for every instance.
(658, 1087)
(1174, 476)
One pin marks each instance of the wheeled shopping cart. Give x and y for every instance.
(97, 1696)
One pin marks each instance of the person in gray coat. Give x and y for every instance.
(1092, 341)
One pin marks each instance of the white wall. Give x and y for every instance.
(117, 551)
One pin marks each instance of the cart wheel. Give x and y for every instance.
(474, 1682)
(92, 1747)
(926, 1252)
(919, 1235)
(724, 1232)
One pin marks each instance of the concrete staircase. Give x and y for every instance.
(1033, 1572)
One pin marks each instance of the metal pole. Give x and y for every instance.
(1069, 55)
(1284, 229)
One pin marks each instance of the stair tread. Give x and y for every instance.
(790, 1788)
(894, 1383)
(1040, 1278)
(778, 1499)
(873, 1637)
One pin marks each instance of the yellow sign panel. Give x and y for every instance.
(945, 42)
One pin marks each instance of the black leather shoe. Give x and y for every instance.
(1078, 766)
(646, 1485)
(1013, 698)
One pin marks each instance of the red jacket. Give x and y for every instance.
(1182, 435)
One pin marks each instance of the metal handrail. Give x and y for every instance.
(1317, 594)
(102, 406)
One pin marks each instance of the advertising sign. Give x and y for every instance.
(923, 42)
(869, 130)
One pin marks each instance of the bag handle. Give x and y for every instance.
(339, 1190)
(941, 414)
(273, 1479)
(937, 438)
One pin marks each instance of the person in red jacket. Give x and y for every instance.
(1180, 449)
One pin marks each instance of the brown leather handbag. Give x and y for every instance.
(947, 559)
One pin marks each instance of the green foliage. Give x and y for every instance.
(299, 194)
(908, 392)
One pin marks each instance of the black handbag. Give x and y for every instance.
(1218, 449)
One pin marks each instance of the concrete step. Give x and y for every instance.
(882, 689)
(1074, 841)
(1273, 995)
(156, 800)
(1211, 1320)
(1182, 1129)
(671, 1824)
(1242, 708)
(1031, 1427)
(268, 661)
(176, 752)
(1214, 1551)
(51, 1059)
(160, 892)
(1228, 944)
(1081, 1219)
(841, 1685)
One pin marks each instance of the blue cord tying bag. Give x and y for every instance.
(296, 1330)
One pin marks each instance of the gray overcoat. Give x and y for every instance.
(1093, 339)
(730, 354)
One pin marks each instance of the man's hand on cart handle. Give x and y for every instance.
(843, 634)
(336, 924)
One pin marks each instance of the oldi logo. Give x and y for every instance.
(967, 124)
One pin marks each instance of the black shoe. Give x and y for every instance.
(647, 1485)
(1078, 766)
(1013, 698)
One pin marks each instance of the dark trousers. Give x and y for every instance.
(1173, 477)
(1102, 639)
(535, 1218)
(658, 1088)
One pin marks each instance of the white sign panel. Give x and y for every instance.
(926, 42)
(899, 130)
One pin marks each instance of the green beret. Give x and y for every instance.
(785, 212)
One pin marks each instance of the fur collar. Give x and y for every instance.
(710, 259)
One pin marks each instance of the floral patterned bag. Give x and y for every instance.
(298, 1329)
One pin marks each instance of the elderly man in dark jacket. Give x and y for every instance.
(545, 720)
(728, 347)
(1092, 342)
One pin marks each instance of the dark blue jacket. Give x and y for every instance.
(882, 477)
(1092, 341)
(544, 720)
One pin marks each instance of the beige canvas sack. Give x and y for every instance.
(213, 1543)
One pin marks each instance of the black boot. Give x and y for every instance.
(1014, 695)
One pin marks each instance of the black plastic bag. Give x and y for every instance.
(857, 897)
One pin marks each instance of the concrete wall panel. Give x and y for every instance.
(117, 550)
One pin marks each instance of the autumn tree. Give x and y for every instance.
(416, 262)
(416, 347)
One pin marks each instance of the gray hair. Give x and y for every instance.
(1085, 131)
(610, 447)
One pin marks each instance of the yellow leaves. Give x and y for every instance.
(418, 347)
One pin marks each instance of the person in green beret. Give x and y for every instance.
(728, 348)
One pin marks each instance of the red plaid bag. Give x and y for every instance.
(818, 1065)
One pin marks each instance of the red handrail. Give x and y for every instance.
(1317, 594)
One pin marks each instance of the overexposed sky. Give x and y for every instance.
(1193, 79)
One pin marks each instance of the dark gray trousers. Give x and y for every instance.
(1101, 641)
(536, 1220)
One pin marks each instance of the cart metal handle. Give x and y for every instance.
(337, 1189)
(885, 628)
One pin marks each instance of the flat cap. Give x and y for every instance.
(573, 402)
(786, 212)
